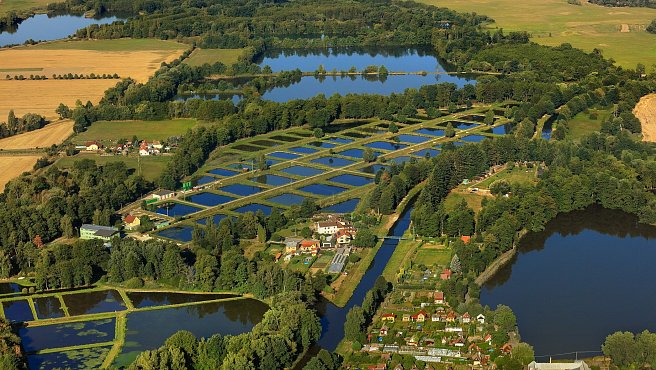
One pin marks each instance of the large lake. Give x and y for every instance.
(587, 275)
(43, 27)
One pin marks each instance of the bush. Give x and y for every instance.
(594, 115)
(24, 290)
(354, 258)
(134, 283)
(356, 346)
(31, 290)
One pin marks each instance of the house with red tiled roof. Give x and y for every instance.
(465, 239)
(466, 318)
(438, 297)
(419, 316)
(344, 236)
(451, 317)
(131, 222)
(310, 246)
(93, 146)
(446, 274)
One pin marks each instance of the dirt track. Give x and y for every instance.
(645, 110)
(53, 133)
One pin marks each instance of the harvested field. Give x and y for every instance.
(43, 97)
(13, 166)
(53, 133)
(138, 59)
(645, 110)
(142, 63)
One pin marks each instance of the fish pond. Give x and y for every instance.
(353, 180)
(346, 206)
(587, 275)
(176, 209)
(302, 171)
(37, 338)
(94, 302)
(209, 199)
(153, 299)
(180, 233)
(254, 207)
(287, 199)
(273, 180)
(332, 161)
(322, 189)
(241, 189)
(148, 330)
(385, 145)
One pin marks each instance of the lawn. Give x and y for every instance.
(110, 45)
(151, 166)
(401, 254)
(432, 256)
(553, 22)
(455, 196)
(211, 56)
(7, 6)
(143, 130)
(582, 125)
(516, 175)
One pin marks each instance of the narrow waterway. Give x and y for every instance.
(333, 317)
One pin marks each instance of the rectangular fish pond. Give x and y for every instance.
(412, 139)
(385, 145)
(273, 180)
(357, 153)
(37, 338)
(182, 234)
(303, 150)
(209, 199)
(332, 161)
(17, 311)
(76, 359)
(430, 131)
(284, 155)
(322, 189)
(48, 307)
(288, 139)
(302, 171)
(222, 172)
(241, 189)
(153, 299)
(426, 152)
(374, 168)
(287, 199)
(353, 180)
(216, 219)
(94, 302)
(203, 320)
(176, 209)
(346, 206)
(254, 207)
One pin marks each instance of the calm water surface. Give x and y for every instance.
(42, 27)
(587, 275)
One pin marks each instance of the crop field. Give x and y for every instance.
(43, 97)
(329, 171)
(111, 131)
(53, 133)
(211, 56)
(618, 32)
(75, 57)
(13, 166)
(151, 166)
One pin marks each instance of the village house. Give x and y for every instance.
(406, 317)
(465, 239)
(344, 237)
(92, 146)
(398, 367)
(291, 245)
(466, 318)
(446, 274)
(451, 317)
(388, 317)
(328, 242)
(157, 145)
(163, 194)
(377, 367)
(132, 222)
(435, 317)
(480, 318)
(144, 149)
(419, 316)
(438, 297)
(383, 330)
(310, 247)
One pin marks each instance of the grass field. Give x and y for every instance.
(515, 175)
(110, 131)
(53, 133)
(582, 125)
(455, 196)
(151, 166)
(7, 6)
(553, 22)
(13, 166)
(211, 56)
(432, 256)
